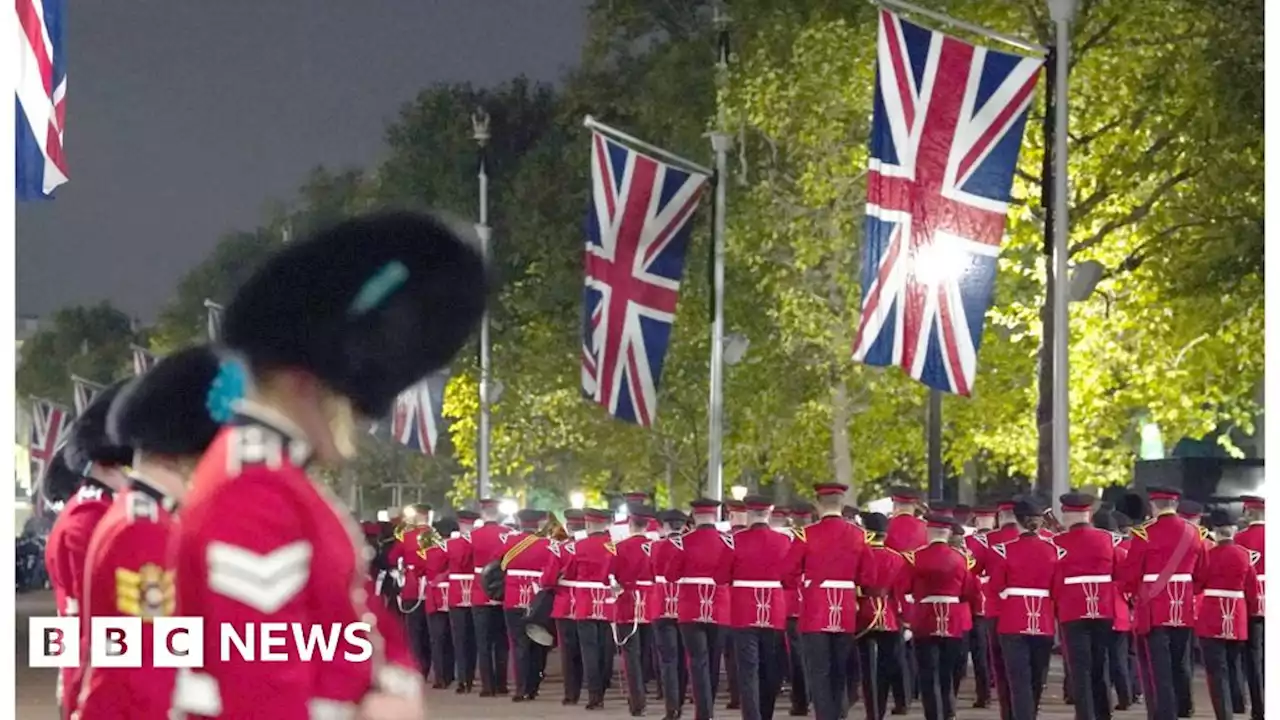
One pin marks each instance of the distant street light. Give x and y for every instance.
(1084, 279)
(577, 500)
(735, 347)
(508, 507)
(738, 492)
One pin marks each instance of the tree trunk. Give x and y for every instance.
(841, 457)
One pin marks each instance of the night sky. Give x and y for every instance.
(184, 118)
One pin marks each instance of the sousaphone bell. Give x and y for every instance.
(538, 624)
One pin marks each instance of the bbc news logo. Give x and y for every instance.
(178, 642)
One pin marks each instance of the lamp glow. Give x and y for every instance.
(508, 507)
(738, 492)
(384, 516)
(577, 500)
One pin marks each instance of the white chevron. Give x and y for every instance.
(263, 582)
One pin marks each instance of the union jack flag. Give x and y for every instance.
(416, 418)
(143, 360)
(637, 234)
(49, 426)
(85, 392)
(41, 98)
(945, 136)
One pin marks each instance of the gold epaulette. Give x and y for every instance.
(613, 549)
(798, 533)
(868, 536)
(1140, 531)
(909, 556)
(1204, 533)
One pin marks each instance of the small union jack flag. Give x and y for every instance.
(637, 236)
(49, 426)
(85, 392)
(41, 98)
(416, 418)
(143, 360)
(945, 135)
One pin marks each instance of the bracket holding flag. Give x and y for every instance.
(85, 392)
(213, 320)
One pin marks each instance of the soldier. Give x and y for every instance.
(91, 453)
(405, 558)
(564, 609)
(664, 613)
(490, 623)
(737, 511)
(758, 609)
(957, 541)
(978, 640)
(880, 647)
(801, 517)
(1230, 588)
(1006, 529)
(634, 572)
(169, 416)
(1165, 555)
(1084, 593)
(1253, 538)
(1022, 579)
(329, 337)
(1118, 661)
(435, 568)
(699, 568)
(524, 555)
(463, 592)
(588, 574)
(906, 531)
(826, 560)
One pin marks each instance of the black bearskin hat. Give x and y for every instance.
(370, 306)
(59, 481)
(170, 409)
(89, 441)
(1134, 506)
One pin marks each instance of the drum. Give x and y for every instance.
(538, 624)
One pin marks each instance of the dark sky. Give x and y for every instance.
(185, 117)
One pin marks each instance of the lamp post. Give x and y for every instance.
(721, 143)
(480, 126)
(1062, 12)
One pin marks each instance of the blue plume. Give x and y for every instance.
(227, 387)
(379, 287)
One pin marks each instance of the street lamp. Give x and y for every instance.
(508, 507)
(577, 500)
(735, 347)
(1084, 279)
(738, 492)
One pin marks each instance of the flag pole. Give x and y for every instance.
(480, 126)
(1062, 12)
(935, 444)
(1010, 40)
(593, 124)
(721, 143)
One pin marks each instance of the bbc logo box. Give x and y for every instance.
(175, 642)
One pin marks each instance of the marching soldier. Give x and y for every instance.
(880, 647)
(1165, 555)
(737, 511)
(801, 517)
(1134, 511)
(957, 541)
(1230, 588)
(490, 623)
(826, 560)
(329, 338)
(1022, 579)
(407, 561)
(524, 556)
(1006, 529)
(978, 641)
(941, 582)
(168, 416)
(1253, 538)
(91, 453)
(1084, 593)
(463, 593)
(589, 575)
(758, 609)
(700, 568)
(435, 568)
(1119, 663)
(906, 531)
(564, 608)
(664, 612)
(634, 572)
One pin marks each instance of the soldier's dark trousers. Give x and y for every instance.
(441, 648)
(826, 660)
(935, 663)
(758, 653)
(880, 654)
(491, 647)
(462, 627)
(673, 675)
(632, 663)
(1218, 656)
(570, 659)
(1252, 665)
(980, 651)
(592, 640)
(527, 671)
(1159, 654)
(997, 667)
(1085, 645)
(419, 637)
(1121, 668)
(799, 679)
(852, 680)
(703, 643)
(1026, 665)
(730, 667)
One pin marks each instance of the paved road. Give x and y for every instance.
(36, 689)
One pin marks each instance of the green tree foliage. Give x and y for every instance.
(90, 342)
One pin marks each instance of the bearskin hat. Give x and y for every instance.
(59, 481)
(170, 409)
(89, 442)
(1134, 506)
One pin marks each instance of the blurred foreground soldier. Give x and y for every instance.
(1022, 579)
(491, 627)
(634, 573)
(406, 559)
(462, 594)
(435, 568)
(168, 416)
(588, 575)
(801, 517)
(945, 591)
(524, 556)
(906, 531)
(91, 453)
(664, 611)
(1165, 555)
(1084, 593)
(758, 609)
(829, 557)
(331, 330)
(1253, 539)
(978, 640)
(699, 569)
(1230, 588)
(880, 647)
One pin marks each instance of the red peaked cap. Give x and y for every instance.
(940, 521)
(596, 514)
(635, 496)
(1076, 502)
(757, 503)
(830, 489)
(735, 506)
(488, 502)
(984, 512)
(780, 512)
(1163, 493)
(1253, 502)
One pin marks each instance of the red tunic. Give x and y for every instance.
(1022, 580)
(589, 576)
(487, 542)
(1123, 619)
(906, 533)
(435, 568)
(1152, 556)
(127, 575)
(881, 592)
(1084, 584)
(634, 572)
(701, 569)
(664, 598)
(261, 542)
(1254, 538)
(756, 595)
(1230, 588)
(825, 562)
(943, 591)
(64, 558)
(524, 556)
(404, 558)
(984, 559)
(463, 588)
(560, 554)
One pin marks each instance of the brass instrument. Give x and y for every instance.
(553, 529)
(428, 537)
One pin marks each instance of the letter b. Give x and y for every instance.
(53, 642)
(115, 642)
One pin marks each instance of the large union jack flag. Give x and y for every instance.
(40, 98)
(637, 234)
(945, 136)
(416, 417)
(49, 426)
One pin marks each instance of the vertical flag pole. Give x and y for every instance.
(935, 444)
(1062, 12)
(480, 124)
(721, 144)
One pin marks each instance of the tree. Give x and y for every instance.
(89, 341)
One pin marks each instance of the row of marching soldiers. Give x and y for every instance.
(829, 602)
(194, 493)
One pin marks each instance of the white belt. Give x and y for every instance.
(1262, 578)
(73, 607)
(644, 583)
(1228, 594)
(1024, 592)
(941, 599)
(443, 584)
(833, 584)
(696, 581)
(984, 579)
(1176, 577)
(524, 573)
(584, 584)
(1084, 579)
(757, 584)
(479, 570)
(461, 576)
(660, 578)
